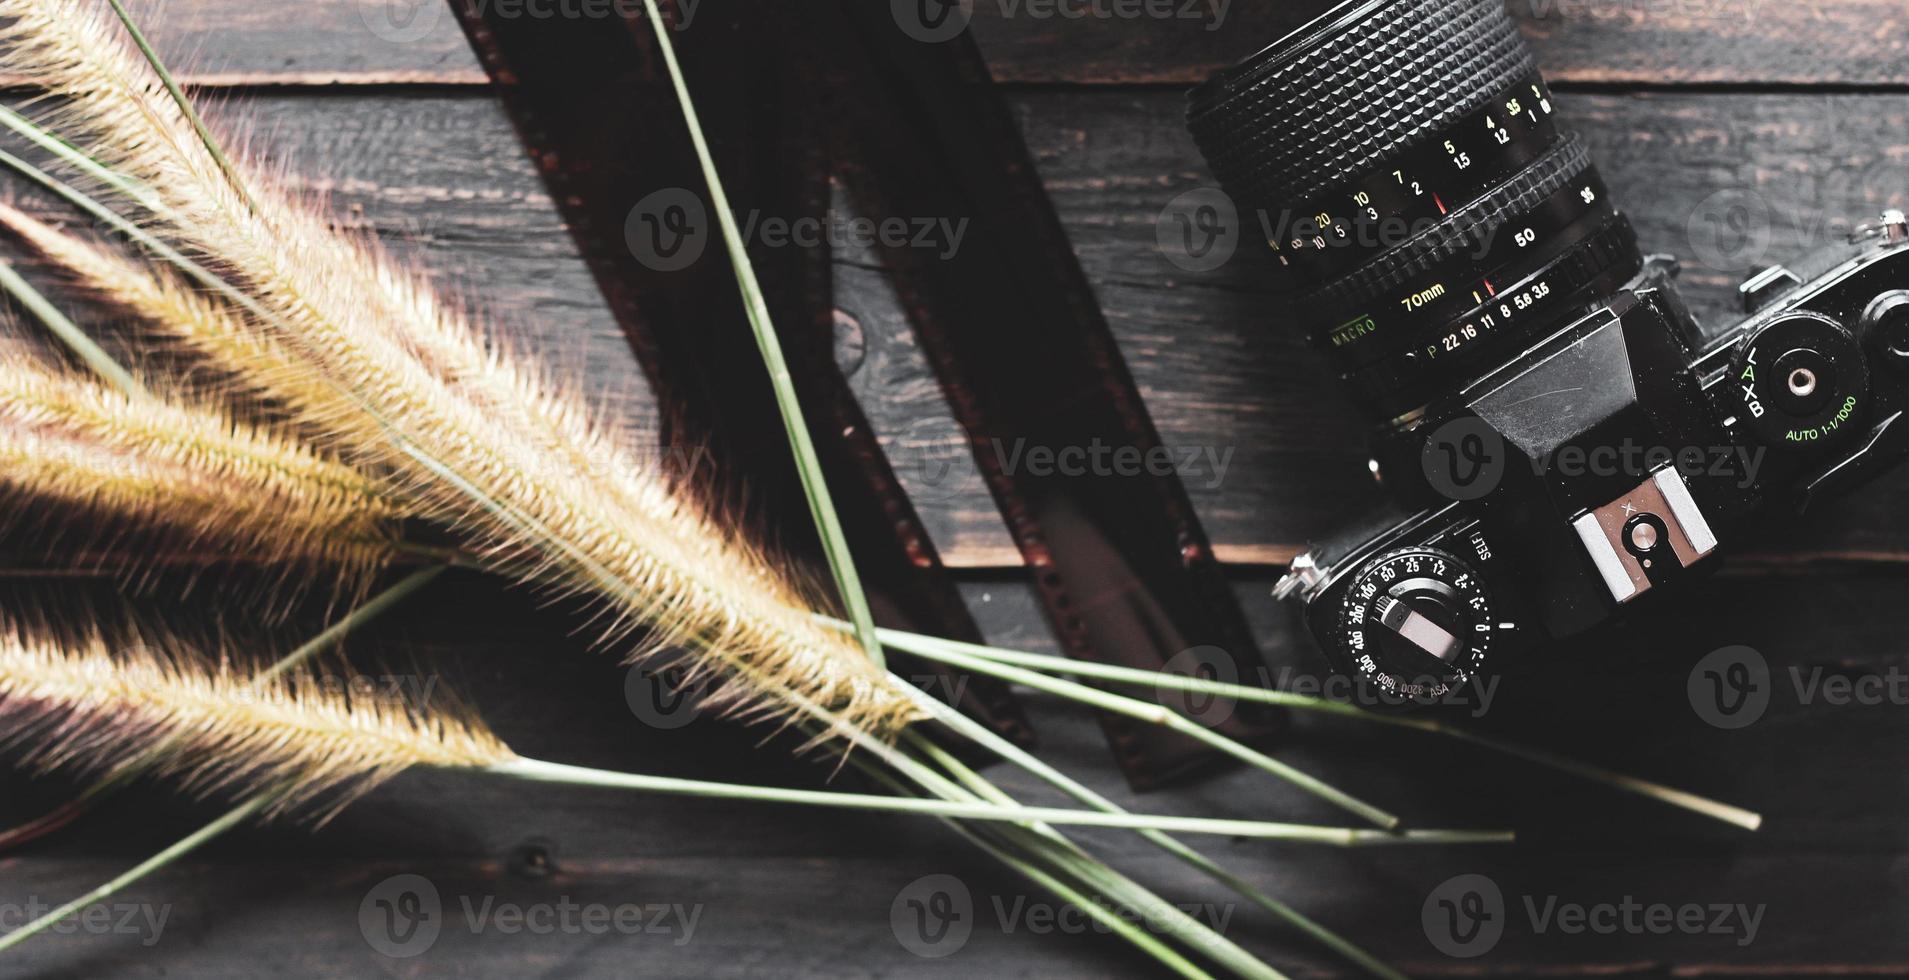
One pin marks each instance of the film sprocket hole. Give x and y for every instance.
(1560, 437)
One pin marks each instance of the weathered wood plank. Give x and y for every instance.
(793, 893)
(319, 42)
(239, 916)
(1649, 42)
(442, 179)
(796, 894)
(1851, 42)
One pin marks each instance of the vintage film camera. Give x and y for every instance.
(1562, 440)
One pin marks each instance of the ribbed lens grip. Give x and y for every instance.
(1289, 124)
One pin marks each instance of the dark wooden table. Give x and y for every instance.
(1732, 130)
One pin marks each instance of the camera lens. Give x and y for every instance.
(1430, 217)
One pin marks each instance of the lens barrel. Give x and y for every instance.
(1404, 161)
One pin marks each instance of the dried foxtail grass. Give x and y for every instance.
(415, 392)
(190, 472)
(138, 707)
(91, 705)
(251, 364)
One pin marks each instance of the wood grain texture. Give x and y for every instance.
(436, 174)
(1651, 42)
(791, 893)
(439, 178)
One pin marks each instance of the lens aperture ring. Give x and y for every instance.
(1404, 318)
(1295, 122)
(1599, 262)
(1470, 230)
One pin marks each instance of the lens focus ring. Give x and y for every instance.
(1293, 122)
(1473, 227)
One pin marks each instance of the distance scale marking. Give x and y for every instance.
(1452, 290)
(1329, 237)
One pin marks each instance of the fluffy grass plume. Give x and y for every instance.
(247, 363)
(190, 475)
(414, 391)
(92, 705)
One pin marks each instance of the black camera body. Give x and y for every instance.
(1561, 438)
(1617, 456)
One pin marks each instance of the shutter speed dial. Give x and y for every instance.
(1417, 624)
(1801, 382)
